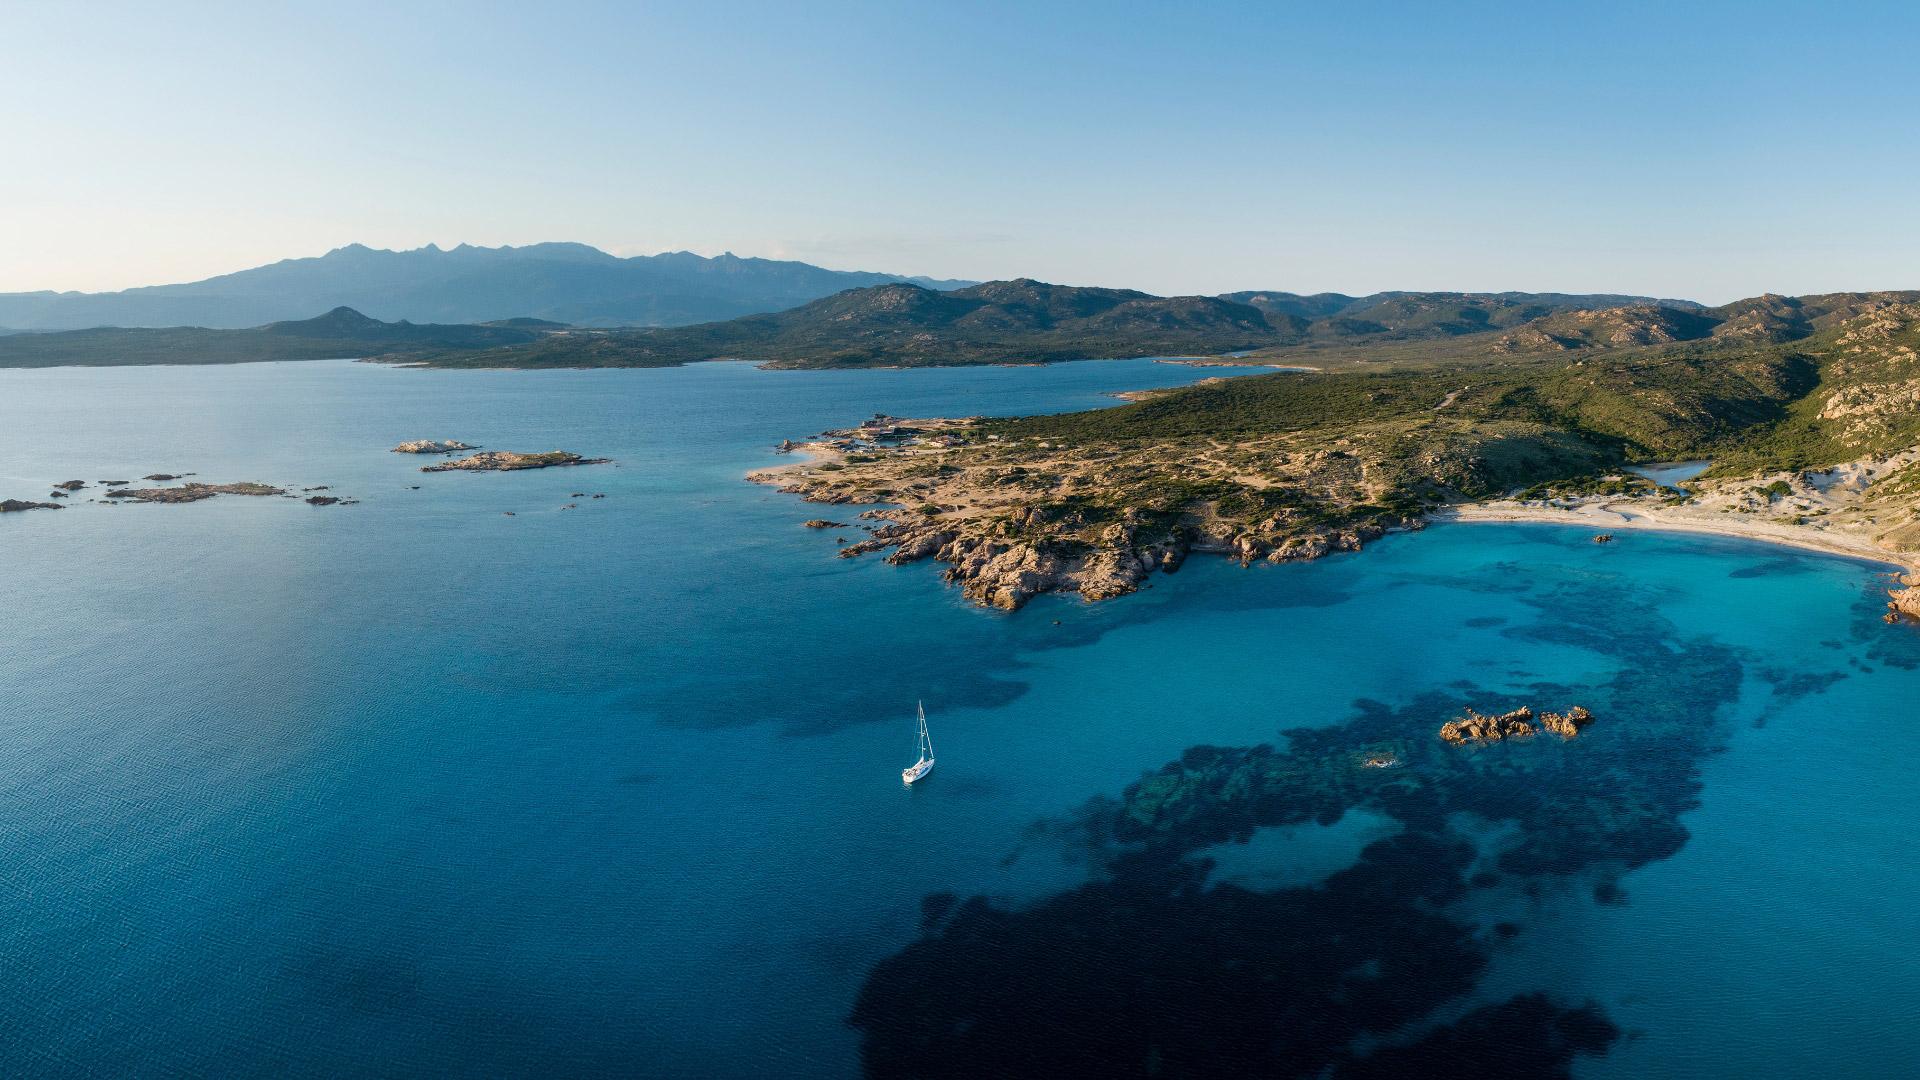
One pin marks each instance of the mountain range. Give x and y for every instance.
(1020, 321)
(569, 283)
(1026, 321)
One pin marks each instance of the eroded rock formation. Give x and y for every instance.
(1904, 603)
(1475, 728)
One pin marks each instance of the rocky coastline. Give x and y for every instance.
(1011, 524)
(1903, 604)
(1014, 519)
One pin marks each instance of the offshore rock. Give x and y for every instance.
(1476, 728)
(508, 461)
(186, 493)
(8, 506)
(71, 485)
(428, 446)
(1567, 724)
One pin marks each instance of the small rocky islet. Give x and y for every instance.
(123, 491)
(186, 493)
(509, 461)
(1477, 729)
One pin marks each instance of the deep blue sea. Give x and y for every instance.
(415, 787)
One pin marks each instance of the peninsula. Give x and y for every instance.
(1806, 408)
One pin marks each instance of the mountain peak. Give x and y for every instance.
(341, 320)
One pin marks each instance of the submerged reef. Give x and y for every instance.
(1153, 969)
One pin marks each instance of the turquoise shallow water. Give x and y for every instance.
(416, 787)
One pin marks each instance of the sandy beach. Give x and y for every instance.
(1622, 515)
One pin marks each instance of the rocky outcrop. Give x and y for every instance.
(71, 485)
(1006, 576)
(187, 493)
(1477, 728)
(431, 446)
(321, 500)
(1904, 604)
(1474, 728)
(1006, 573)
(822, 523)
(162, 477)
(1567, 724)
(9, 506)
(508, 461)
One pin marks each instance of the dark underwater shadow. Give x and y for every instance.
(1149, 971)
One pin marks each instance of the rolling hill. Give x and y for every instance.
(340, 333)
(1026, 321)
(908, 325)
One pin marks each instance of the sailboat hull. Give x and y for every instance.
(916, 770)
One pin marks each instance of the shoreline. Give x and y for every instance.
(996, 516)
(1644, 519)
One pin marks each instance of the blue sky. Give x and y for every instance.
(1708, 151)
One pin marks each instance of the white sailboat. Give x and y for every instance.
(925, 765)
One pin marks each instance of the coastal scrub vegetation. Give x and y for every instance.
(1296, 465)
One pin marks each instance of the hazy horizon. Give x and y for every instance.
(1710, 153)
(1096, 283)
